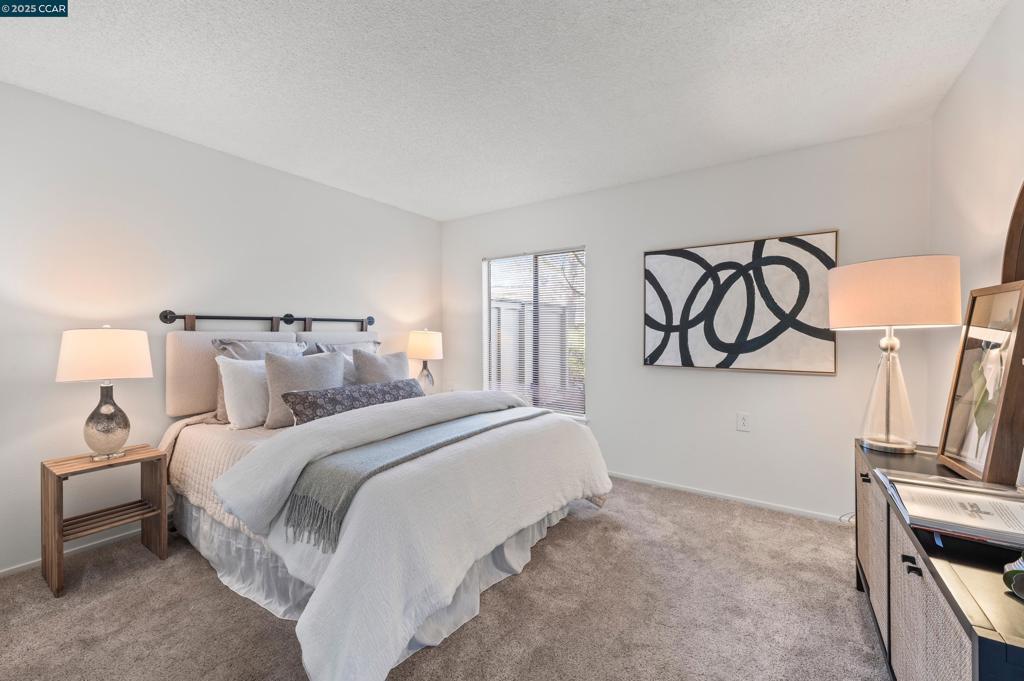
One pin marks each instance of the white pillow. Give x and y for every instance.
(246, 398)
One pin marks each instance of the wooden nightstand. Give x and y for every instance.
(151, 509)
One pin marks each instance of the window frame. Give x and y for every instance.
(485, 326)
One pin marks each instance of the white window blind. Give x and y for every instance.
(536, 328)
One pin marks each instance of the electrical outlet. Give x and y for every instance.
(743, 422)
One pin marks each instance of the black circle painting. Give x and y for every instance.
(758, 305)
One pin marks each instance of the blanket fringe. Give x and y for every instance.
(309, 522)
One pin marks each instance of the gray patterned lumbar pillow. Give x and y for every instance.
(371, 368)
(291, 374)
(309, 405)
(249, 350)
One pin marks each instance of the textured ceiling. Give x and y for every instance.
(454, 108)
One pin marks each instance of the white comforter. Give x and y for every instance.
(413, 531)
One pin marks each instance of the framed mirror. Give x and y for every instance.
(982, 437)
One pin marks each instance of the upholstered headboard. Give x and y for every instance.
(192, 370)
(191, 380)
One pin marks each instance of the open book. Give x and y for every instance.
(977, 511)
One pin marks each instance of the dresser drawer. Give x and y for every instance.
(872, 543)
(927, 642)
(948, 648)
(908, 599)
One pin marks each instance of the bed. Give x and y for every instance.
(420, 541)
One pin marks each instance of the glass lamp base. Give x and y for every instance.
(426, 378)
(106, 430)
(888, 420)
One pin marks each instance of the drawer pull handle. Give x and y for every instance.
(864, 477)
(908, 559)
(911, 570)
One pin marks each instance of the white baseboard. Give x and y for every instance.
(731, 497)
(99, 542)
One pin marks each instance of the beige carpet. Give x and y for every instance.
(659, 584)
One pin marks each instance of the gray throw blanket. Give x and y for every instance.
(325, 489)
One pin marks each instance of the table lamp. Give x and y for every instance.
(425, 345)
(909, 292)
(103, 355)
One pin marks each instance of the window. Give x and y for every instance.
(536, 322)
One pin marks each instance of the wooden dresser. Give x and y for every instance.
(943, 612)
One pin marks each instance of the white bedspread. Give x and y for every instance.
(413, 531)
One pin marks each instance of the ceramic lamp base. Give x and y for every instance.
(106, 430)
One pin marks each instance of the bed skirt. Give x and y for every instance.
(247, 566)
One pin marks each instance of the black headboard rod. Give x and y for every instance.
(169, 317)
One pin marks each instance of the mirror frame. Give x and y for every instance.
(1013, 253)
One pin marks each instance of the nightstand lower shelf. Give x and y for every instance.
(83, 525)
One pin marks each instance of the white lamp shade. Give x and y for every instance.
(425, 345)
(102, 354)
(921, 290)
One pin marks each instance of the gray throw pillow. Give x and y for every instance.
(288, 374)
(249, 350)
(371, 368)
(347, 349)
(310, 405)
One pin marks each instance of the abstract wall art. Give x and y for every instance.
(757, 305)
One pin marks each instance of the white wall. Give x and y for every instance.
(977, 170)
(678, 425)
(106, 222)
